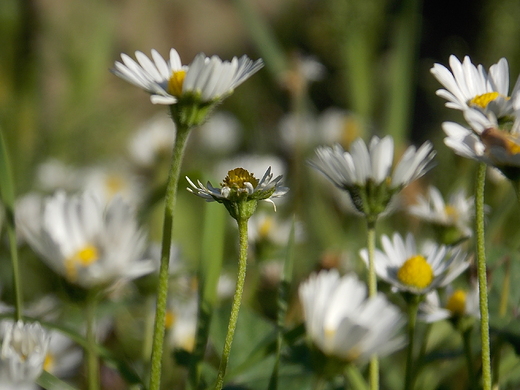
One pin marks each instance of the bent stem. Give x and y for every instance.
(237, 299)
(372, 292)
(162, 284)
(482, 276)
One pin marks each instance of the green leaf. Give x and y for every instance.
(50, 382)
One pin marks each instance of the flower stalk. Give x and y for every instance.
(413, 306)
(237, 299)
(162, 285)
(372, 292)
(482, 276)
(92, 355)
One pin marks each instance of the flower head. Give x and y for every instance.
(487, 141)
(206, 81)
(240, 191)
(416, 271)
(87, 243)
(22, 356)
(342, 322)
(368, 175)
(457, 303)
(456, 213)
(471, 87)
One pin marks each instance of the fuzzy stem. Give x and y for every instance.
(92, 355)
(16, 271)
(372, 292)
(237, 299)
(413, 306)
(482, 276)
(162, 285)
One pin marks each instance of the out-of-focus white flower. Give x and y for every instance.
(409, 269)
(84, 241)
(24, 347)
(106, 183)
(471, 87)
(53, 174)
(226, 286)
(457, 212)
(153, 140)
(343, 322)
(458, 303)
(339, 126)
(63, 356)
(298, 131)
(368, 173)
(265, 227)
(175, 264)
(181, 322)
(221, 133)
(206, 78)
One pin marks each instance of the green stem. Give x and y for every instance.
(482, 277)
(413, 306)
(372, 292)
(466, 338)
(237, 299)
(162, 285)
(92, 355)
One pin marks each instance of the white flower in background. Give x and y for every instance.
(24, 347)
(240, 185)
(63, 356)
(368, 173)
(298, 131)
(458, 303)
(53, 174)
(226, 286)
(107, 183)
(471, 87)
(152, 141)
(181, 322)
(414, 270)
(456, 212)
(339, 126)
(343, 322)
(84, 241)
(221, 133)
(206, 78)
(266, 227)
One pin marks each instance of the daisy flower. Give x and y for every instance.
(486, 142)
(206, 79)
(458, 303)
(24, 347)
(471, 87)
(352, 329)
(241, 188)
(416, 271)
(368, 174)
(87, 243)
(457, 212)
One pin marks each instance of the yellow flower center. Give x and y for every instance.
(457, 303)
(48, 363)
(169, 319)
(265, 227)
(83, 258)
(482, 101)
(114, 184)
(451, 212)
(175, 82)
(415, 272)
(237, 178)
